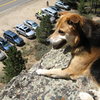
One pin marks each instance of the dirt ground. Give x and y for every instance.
(11, 17)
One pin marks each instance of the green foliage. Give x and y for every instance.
(14, 63)
(44, 30)
(40, 50)
(81, 6)
(89, 16)
(89, 6)
(68, 1)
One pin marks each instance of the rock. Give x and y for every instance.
(29, 86)
(56, 59)
(85, 96)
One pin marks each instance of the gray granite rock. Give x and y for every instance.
(29, 86)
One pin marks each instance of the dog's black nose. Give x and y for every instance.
(48, 41)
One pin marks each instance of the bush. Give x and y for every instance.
(89, 16)
(14, 63)
(81, 6)
(44, 30)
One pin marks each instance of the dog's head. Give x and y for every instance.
(66, 31)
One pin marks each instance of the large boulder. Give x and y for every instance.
(29, 86)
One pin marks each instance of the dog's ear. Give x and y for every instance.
(75, 18)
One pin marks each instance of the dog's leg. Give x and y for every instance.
(58, 73)
(76, 68)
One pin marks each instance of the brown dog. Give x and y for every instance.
(83, 36)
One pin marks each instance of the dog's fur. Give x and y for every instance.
(83, 36)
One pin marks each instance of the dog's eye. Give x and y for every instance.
(70, 22)
(60, 31)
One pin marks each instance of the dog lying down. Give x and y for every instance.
(83, 36)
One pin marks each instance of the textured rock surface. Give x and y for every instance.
(29, 86)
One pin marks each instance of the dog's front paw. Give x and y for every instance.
(41, 71)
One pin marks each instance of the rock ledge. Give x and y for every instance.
(29, 86)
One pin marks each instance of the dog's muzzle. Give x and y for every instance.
(57, 45)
